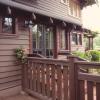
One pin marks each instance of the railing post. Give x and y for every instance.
(73, 71)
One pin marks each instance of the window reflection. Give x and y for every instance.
(7, 25)
(42, 40)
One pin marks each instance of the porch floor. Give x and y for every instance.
(19, 97)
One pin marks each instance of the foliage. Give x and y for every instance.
(91, 55)
(96, 43)
(20, 54)
(94, 55)
(93, 34)
(79, 54)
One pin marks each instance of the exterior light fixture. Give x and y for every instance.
(33, 16)
(64, 24)
(9, 10)
(51, 20)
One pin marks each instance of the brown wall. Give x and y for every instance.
(10, 71)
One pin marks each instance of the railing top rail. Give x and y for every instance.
(84, 64)
(89, 77)
(48, 61)
(87, 63)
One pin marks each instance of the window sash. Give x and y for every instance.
(8, 25)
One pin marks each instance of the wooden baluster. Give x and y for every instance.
(26, 75)
(59, 83)
(30, 76)
(34, 76)
(65, 81)
(90, 90)
(53, 82)
(82, 90)
(97, 91)
(38, 78)
(43, 79)
(33, 64)
(48, 80)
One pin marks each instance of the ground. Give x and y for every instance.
(19, 97)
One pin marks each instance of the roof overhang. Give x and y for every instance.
(38, 11)
(85, 3)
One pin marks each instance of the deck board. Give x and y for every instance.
(19, 97)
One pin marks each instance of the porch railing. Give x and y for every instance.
(88, 84)
(50, 79)
(47, 78)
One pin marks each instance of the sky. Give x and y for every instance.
(91, 17)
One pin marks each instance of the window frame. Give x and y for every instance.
(78, 41)
(76, 13)
(13, 32)
(60, 40)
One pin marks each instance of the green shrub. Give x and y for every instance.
(91, 55)
(79, 54)
(20, 54)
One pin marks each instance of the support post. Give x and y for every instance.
(73, 75)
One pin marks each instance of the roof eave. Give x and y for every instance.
(85, 3)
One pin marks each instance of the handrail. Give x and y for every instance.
(48, 60)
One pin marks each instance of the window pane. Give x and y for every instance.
(80, 39)
(74, 8)
(74, 39)
(62, 40)
(7, 25)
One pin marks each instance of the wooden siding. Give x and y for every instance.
(51, 8)
(10, 71)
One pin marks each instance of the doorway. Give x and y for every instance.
(43, 40)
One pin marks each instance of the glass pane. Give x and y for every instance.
(7, 25)
(49, 42)
(80, 39)
(62, 40)
(74, 39)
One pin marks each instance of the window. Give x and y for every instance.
(76, 39)
(74, 9)
(79, 39)
(43, 40)
(8, 25)
(62, 40)
(64, 1)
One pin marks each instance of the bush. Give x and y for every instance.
(20, 54)
(94, 55)
(79, 54)
(91, 55)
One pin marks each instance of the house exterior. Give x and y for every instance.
(51, 28)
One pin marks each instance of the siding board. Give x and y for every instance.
(9, 79)
(10, 70)
(10, 92)
(10, 73)
(9, 84)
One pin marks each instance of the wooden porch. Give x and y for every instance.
(19, 97)
(52, 79)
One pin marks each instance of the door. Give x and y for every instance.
(42, 40)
